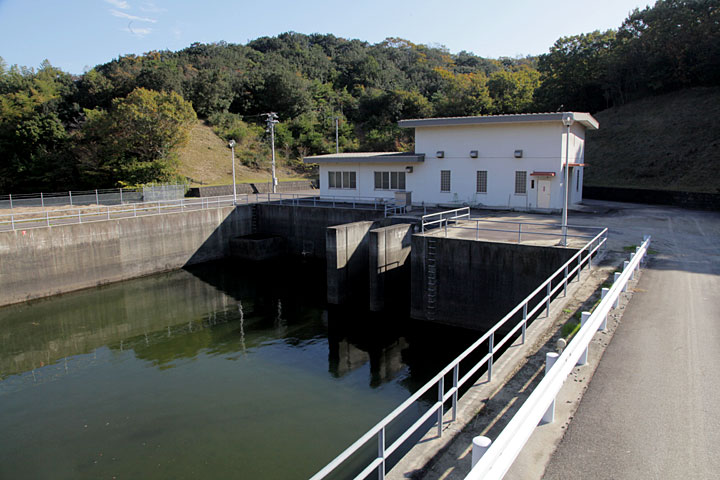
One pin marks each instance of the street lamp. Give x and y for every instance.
(272, 119)
(231, 144)
(568, 120)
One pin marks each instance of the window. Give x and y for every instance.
(520, 183)
(342, 180)
(444, 180)
(482, 181)
(389, 180)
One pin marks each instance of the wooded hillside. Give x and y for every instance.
(124, 122)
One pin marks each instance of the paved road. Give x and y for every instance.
(652, 409)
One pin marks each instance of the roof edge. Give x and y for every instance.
(584, 118)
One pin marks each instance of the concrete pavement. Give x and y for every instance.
(651, 410)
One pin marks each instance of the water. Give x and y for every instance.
(228, 370)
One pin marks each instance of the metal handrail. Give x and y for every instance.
(456, 213)
(501, 454)
(572, 266)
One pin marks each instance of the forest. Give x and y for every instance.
(121, 123)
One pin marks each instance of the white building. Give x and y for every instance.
(510, 161)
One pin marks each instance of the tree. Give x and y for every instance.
(512, 91)
(135, 142)
(462, 94)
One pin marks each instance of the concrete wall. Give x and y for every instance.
(45, 261)
(478, 282)
(264, 187)
(304, 227)
(389, 265)
(347, 260)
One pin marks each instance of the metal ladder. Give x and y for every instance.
(253, 219)
(431, 278)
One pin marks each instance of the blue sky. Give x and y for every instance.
(76, 35)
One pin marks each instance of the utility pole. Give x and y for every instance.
(337, 141)
(231, 144)
(567, 120)
(272, 119)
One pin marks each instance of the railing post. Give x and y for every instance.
(108, 213)
(616, 277)
(632, 275)
(491, 351)
(524, 327)
(121, 200)
(12, 221)
(603, 294)
(446, 227)
(381, 453)
(583, 358)
(480, 445)
(519, 231)
(477, 230)
(134, 209)
(79, 216)
(47, 218)
(565, 282)
(11, 205)
(549, 416)
(97, 198)
(456, 377)
(42, 200)
(547, 301)
(70, 195)
(625, 266)
(579, 267)
(441, 391)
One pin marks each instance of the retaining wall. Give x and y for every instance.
(45, 261)
(250, 188)
(694, 200)
(477, 282)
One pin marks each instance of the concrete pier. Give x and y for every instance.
(389, 267)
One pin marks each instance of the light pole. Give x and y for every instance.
(231, 144)
(271, 121)
(567, 120)
(337, 137)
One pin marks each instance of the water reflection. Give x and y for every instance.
(201, 361)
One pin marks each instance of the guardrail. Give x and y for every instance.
(552, 286)
(47, 218)
(492, 460)
(445, 217)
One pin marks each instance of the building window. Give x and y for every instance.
(342, 180)
(389, 180)
(482, 181)
(444, 180)
(520, 183)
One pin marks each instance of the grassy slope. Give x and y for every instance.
(205, 160)
(669, 142)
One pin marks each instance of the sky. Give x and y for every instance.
(76, 35)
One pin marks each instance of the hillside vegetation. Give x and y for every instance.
(127, 121)
(205, 160)
(668, 142)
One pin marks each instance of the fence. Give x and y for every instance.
(112, 196)
(25, 221)
(499, 455)
(526, 310)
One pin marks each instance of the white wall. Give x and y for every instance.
(543, 146)
(496, 144)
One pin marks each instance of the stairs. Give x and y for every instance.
(254, 219)
(430, 278)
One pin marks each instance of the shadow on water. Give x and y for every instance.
(242, 364)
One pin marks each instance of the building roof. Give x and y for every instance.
(367, 157)
(584, 119)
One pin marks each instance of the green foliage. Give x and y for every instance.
(134, 141)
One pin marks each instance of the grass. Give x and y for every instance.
(206, 160)
(667, 142)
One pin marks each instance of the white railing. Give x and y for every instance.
(526, 309)
(500, 454)
(443, 218)
(65, 216)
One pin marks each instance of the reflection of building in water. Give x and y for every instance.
(355, 341)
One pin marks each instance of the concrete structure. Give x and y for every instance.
(389, 266)
(509, 161)
(45, 261)
(257, 247)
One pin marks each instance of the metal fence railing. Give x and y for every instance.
(65, 216)
(492, 459)
(111, 196)
(527, 310)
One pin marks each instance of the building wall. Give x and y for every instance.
(542, 144)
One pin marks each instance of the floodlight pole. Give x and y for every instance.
(567, 120)
(231, 144)
(271, 121)
(337, 137)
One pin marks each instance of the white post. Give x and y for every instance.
(70, 195)
(10, 195)
(603, 294)
(97, 198)
(625, 266)
(616, 277)
(583, 358)
(42, 199)
(567, 121)
(480, 445)
(121, 197)
(232, 149)
(549, 416)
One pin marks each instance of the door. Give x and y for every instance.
(543, 200)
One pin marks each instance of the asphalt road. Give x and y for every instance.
(652, 409)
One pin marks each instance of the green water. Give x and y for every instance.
(229, 370)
